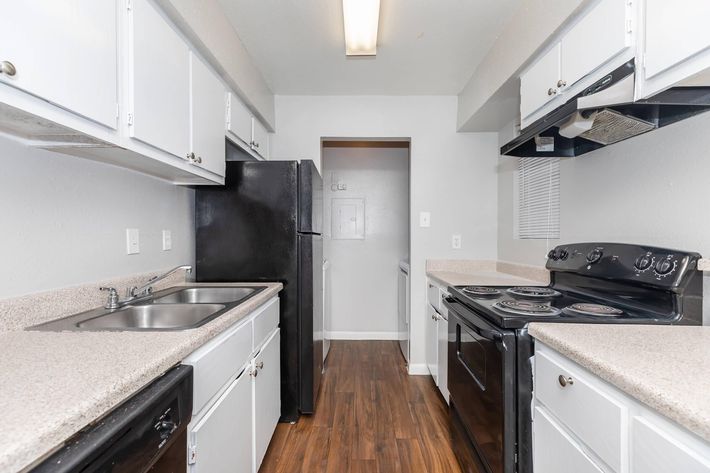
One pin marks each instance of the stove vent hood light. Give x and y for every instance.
(605, 113)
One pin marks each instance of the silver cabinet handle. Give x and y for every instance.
(7, 68)
(199, 159)
(561, 83)
(190, 157)
(254, 373)
(565, 380)
(551, 91)
(260, 365)
(254, 144)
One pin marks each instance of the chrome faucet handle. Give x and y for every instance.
(112, 301)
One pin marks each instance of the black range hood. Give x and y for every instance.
(605, 113)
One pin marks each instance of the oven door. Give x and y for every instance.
(482, 386)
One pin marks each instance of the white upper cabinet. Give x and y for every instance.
(260, 139)
(239, 119)
(538, 85)
(64, 53)
(676, 44)
(207, 147)
(159, 75)
(599, 36)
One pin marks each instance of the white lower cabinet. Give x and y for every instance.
(432, 348)
(443, 355)
(583, 424)
(237, 395)
(221, 441)
(266, 390)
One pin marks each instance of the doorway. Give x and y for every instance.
(366, 235)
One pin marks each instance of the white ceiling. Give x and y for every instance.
(424, 46)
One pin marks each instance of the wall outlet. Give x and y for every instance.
(456, 241)
(167, 240)
(132, 241)
(425, 219)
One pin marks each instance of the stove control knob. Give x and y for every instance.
(664, 267)
(553, 255)
(594, 256)
(563, 254)
(643, 262)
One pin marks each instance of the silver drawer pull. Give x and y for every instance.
(260, 365)
(7, 68)
(565, 380)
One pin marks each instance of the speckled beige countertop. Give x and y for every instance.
(485, 273)
(665, 367)
(52, 384)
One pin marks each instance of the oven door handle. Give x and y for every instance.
(486, 333)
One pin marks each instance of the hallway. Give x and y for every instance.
(371, 417)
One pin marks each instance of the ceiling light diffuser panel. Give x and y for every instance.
(361, 19)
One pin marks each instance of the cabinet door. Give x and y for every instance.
(442, 354)
(675, 31)
(599, 36)
(538, 85)
(65, 53)
(239, 119)
(658, 449)
(431, 342)
(260, 140)
(206, 117)
(159, 82)
(267, 396)
(222, 439)
(554, 451)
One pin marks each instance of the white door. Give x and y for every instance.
(222, 439)
(432, 334)
(538, 85)
(159, 83)
(206, 117)
(64, 52)
(267, 396)
(584, 48)
(260, 139)
(677, 45)
(238, 119)
(554, 451)
(442, 356)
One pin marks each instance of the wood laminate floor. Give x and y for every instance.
(370, 417)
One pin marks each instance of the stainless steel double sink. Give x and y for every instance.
(180, 308)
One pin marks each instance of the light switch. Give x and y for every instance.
(425, 219)
(167, 240)
(132, 241)
(456, 241)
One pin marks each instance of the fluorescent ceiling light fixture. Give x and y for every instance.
(361, 18)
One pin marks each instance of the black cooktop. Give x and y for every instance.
(505, 309)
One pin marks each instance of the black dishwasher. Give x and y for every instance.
(147, 433)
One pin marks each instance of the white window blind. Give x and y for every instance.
(538, 198)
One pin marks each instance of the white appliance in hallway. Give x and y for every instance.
(403, 308)
(326, 309)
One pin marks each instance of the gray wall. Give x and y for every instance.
(64, 220)
(364, 272)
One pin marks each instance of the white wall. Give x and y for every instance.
(64, 220)
(449, 171)
(364, 272)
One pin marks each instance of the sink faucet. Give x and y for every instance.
(147, 288)
(138, 293)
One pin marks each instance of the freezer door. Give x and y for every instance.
(310, 198)
(310, 284)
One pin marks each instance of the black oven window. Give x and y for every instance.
(471, 354)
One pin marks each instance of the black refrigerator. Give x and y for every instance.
(265, 224)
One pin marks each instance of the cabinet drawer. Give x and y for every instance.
(433, 295)
(266, 319)
(556, 452)
(662, 448)
(593, 415)
(218, 362)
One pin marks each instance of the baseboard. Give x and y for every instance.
(363, 335)
(417, 369)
